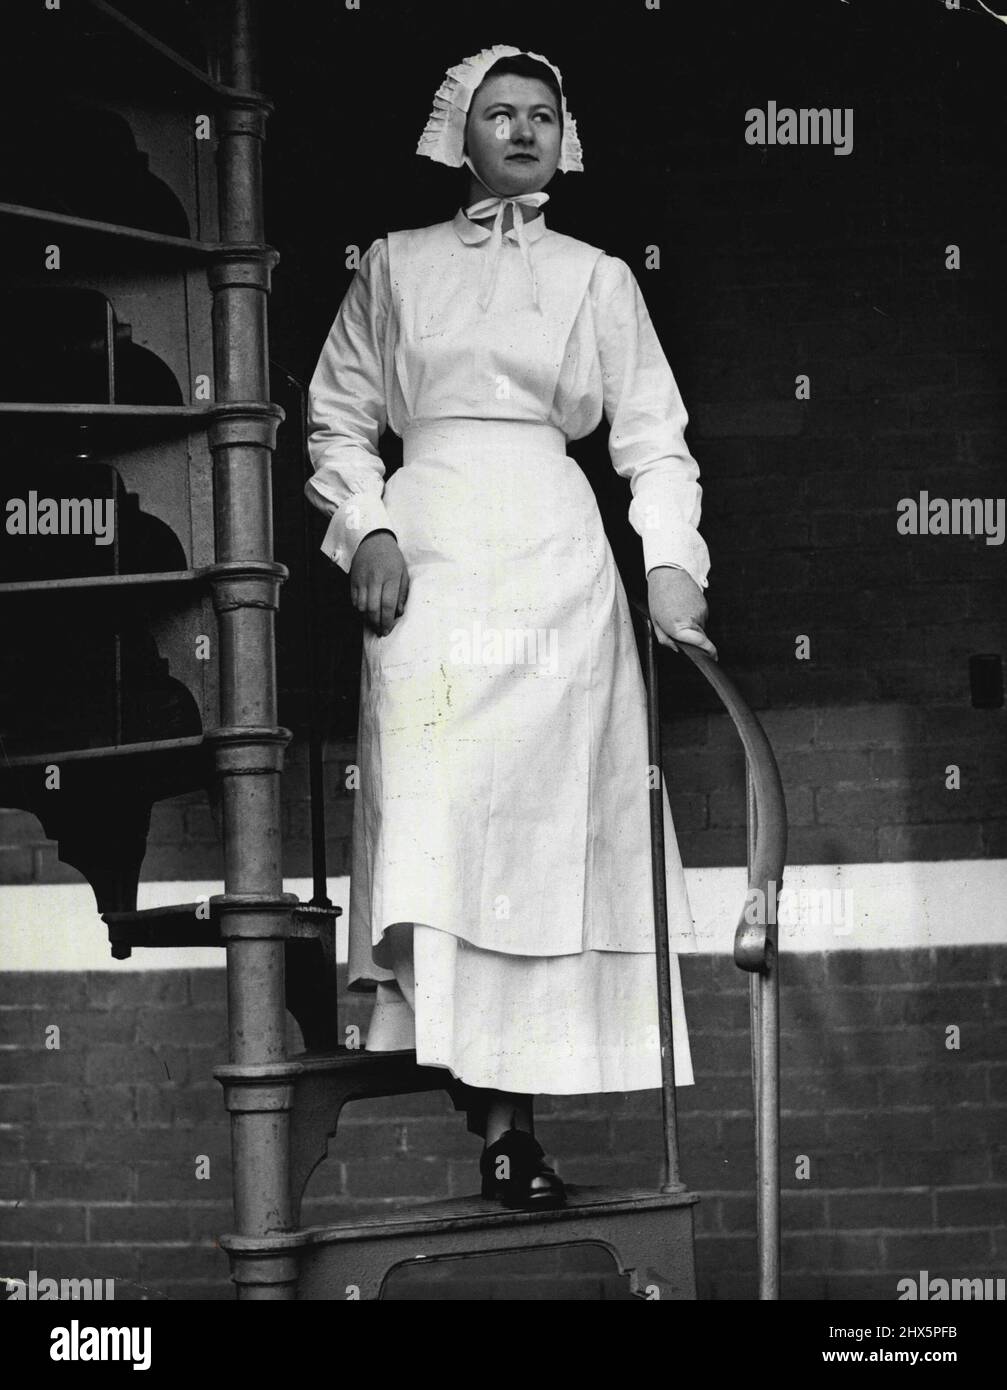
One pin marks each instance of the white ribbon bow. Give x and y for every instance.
(486, 208)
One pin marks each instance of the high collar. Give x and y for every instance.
(474, 232)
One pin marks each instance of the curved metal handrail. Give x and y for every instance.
(754, 943)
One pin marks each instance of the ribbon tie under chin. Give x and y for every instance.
(486, 208)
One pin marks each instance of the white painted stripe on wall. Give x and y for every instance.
(57, 926)
(823, 907)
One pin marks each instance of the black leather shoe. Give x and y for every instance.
(528, 1180)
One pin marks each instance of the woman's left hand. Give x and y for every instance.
(678, 609)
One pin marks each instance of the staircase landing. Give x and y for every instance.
(648, 1234)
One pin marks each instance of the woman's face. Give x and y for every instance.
(512, 134)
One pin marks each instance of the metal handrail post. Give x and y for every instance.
(764, 1010)
(767, 1101)
(671, 1180)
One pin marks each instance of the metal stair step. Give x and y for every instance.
(475, 1212)
(178, 925)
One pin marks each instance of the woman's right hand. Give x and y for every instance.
(379, 581)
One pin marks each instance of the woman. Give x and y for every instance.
(501, 896)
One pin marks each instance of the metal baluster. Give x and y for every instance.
(767, 1043)
(671, 1180)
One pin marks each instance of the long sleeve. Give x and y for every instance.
(347, 414)
(647, 419)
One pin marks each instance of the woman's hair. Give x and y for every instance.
(522, 66)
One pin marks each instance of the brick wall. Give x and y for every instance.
(905, 1140)
(864, 784)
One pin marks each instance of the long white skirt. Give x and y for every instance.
(559, 1025)
(503, 802)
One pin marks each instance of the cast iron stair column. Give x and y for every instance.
(249, 744)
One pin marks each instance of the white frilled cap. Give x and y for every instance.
(443, 138)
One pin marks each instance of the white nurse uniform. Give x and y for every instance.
(502, 746)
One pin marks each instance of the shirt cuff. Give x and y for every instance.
(359, 515)
(672, 544)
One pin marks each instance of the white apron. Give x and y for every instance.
(503, 799)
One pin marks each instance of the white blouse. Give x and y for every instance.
(394, 357)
